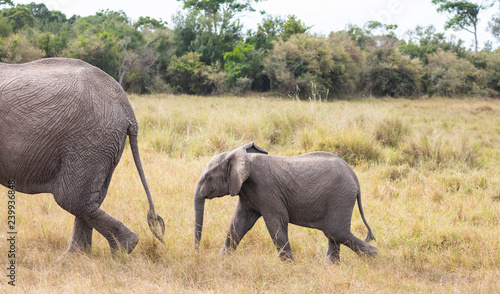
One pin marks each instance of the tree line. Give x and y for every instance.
(204, 51)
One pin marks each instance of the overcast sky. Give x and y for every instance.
(323, 15)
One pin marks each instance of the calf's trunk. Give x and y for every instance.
(199, 208)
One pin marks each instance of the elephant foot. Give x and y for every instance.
(226, 250)
(332, 260)
(286, 256)
(127, 243)
(72, 251)
(65, 255)
(371, 252)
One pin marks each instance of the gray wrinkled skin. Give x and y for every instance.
(315, 190)
(63, 128)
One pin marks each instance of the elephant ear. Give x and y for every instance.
(238, 169)
(252, 148)
(239, 166)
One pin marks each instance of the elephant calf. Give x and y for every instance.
(316, 190)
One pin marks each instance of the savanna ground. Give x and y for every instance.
(430, 180)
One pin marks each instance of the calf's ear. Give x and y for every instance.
(253, 148)
(238, 170)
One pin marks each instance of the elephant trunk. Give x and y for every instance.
(199, 208)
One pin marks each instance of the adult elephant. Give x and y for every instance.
(63, 128)
(316, 190)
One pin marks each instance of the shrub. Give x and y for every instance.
(345, 76)
(440, 150)
(449, 75)
(351, 144)
(309, 66)
(390, 131)
(5, 27)
(493, 70)
(99, 49)
(188, 74)
(354, 146)
(18, 49)
(391, 73)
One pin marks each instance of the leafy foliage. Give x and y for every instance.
(205, 51)
(451, 76)
(465, 15)
(394, 74)
(189, 74)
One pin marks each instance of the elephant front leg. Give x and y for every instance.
(278, 229)
(81, 239)
(242, 221)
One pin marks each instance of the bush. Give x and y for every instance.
(449, 75)
(493, 70)
(243, 67)
(189, 75)
(390, 132)
(355, 146)
(347, 69)
(352, 144)
(310, 66)
(99, 49)
(391, 73)
(5, 27)
(441, 151)
(18, 49)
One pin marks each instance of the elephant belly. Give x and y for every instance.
(310, 217)
(32, 167)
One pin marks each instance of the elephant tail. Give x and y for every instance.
(370, 236)
(155, 222)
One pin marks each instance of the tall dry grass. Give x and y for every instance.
(430, 179)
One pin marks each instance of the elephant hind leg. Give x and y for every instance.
(83, 200)
(117, 234)
(81, 239)
(333, 253)
(359, 246)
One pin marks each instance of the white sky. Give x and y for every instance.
(324, 15)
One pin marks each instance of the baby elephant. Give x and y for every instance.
(315, 190)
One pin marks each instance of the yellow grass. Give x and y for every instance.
(430, 180)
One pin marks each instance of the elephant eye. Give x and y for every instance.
(208, 179)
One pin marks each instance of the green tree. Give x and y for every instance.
(210, 27)
(6, 2)
(363, 38)
(387, 29)
(274, 27)
(293, 26)
(52, 45)
(393, 73)
(464, 15)
(449, 75)
(244, 69)
(267, 32)
(5, 27)
(19, 17)
(188, 74)
(149, 22)
(425, 40)
(18, 49)
(220, 12)
(99, 49)
(313, 66)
